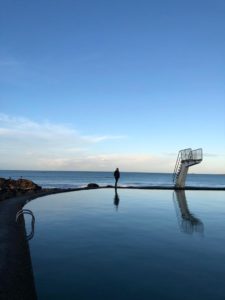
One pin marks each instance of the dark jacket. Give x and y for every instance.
(117, 174)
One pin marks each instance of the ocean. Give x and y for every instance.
(74, 179)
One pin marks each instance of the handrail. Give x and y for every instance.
(182, 155)
(187, 155)
(29, 212)
(176, 165)
(24, 211)
(197, 154)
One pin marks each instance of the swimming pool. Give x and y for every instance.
(133, 244)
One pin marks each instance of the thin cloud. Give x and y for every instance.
(211, 155)
(25, 142)
(31, 145)
(97, 139)
(106, 162)
(13, 126)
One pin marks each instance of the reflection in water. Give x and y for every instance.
(31, 234)
(188, 223)
(28, 212)
(116, 199)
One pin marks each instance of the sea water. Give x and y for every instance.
(73, 179)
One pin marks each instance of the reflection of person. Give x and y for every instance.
(116, 200)
(116, 176)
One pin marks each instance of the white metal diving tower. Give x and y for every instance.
(185, 159)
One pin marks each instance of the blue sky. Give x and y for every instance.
(94, 85)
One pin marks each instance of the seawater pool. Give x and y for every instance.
(133, 244)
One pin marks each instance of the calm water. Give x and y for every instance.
(79, 179)
(136, 244)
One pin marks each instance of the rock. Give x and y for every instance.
(12, 188)
(110, 186)
(25, 184)
(93, 185)
(20, 184)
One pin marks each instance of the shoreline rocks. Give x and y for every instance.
(13, 188)
(93, 185)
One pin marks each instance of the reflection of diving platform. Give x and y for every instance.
(185, 159)
(188, 223)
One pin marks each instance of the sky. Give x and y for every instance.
(99, 84)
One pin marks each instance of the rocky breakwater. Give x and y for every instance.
(13, 188)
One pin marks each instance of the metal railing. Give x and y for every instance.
(29, 212)
(182, 155)
(197, 154)
(187, 155)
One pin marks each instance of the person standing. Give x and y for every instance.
(116, 176)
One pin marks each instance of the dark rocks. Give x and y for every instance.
(13, 188)
(110, 186)
(93, 185)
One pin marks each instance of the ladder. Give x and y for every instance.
(22, 212)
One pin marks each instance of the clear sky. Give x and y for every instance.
(95, 85)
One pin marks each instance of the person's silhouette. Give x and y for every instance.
(116, 176)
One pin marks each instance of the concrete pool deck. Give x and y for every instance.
(16, 273)
(17, 280)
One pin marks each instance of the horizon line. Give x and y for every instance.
(29, 170)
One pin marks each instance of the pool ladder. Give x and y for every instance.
(28, 212)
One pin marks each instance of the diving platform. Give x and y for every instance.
(185, 159)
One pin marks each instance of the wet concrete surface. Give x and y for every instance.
(16, 274)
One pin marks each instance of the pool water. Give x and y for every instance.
(133, 244)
